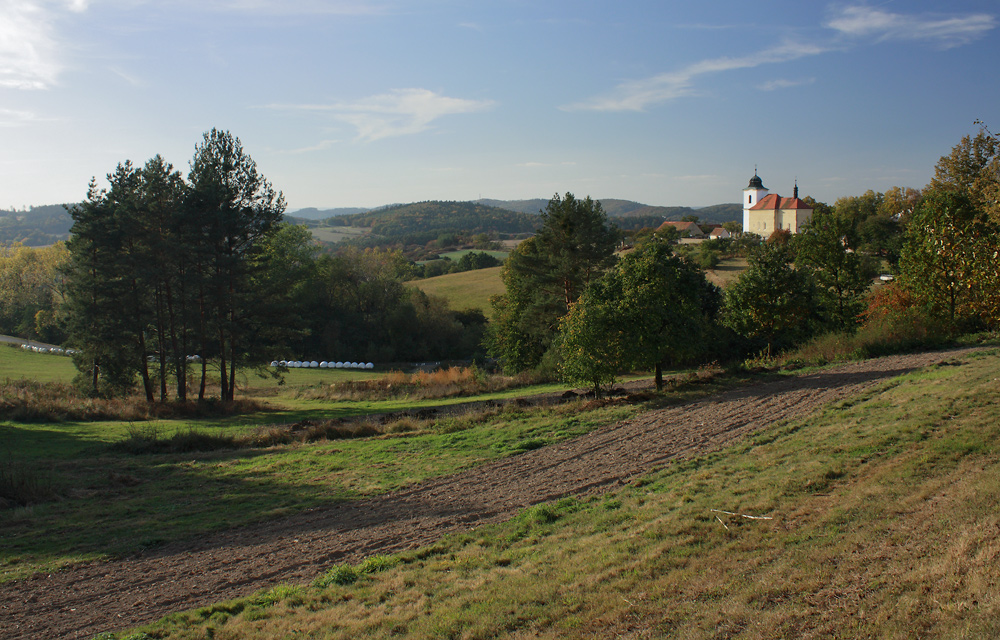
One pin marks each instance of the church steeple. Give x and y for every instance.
(753, 194)
(795, 191)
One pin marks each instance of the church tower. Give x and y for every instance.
(753, 194)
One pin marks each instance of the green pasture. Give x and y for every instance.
(16, 363)
(466, 290)
(873, 517)
(337, 234)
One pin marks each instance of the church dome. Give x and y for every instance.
(755, 182)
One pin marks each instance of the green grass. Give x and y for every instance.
(336, 234)
(883, 524)
(466, 290)
(16, 363)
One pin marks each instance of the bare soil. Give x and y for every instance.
(84, 600)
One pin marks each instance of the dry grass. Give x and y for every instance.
(31, 401)
(424, 385)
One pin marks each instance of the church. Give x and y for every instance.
(764, 213)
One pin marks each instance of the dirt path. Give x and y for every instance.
(84, 600)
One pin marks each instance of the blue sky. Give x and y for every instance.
(356, 103)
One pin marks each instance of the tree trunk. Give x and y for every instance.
(659, 376)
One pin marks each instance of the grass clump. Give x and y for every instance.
(22, 485)
(346, 574)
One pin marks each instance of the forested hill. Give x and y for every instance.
(35, 227)
(422, 222)
(717, 213)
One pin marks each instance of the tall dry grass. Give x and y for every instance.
(423, 385)
(32, 401)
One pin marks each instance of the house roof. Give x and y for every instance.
(693, 229)
(774, 201)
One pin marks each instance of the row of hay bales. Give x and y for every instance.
(313, 364)
(56, 350)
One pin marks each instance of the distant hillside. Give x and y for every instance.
(36, 227)
(533, 206)
(719, 213)
(615, 208)
(312, 213)
(421, 222)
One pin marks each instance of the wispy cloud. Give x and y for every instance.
(946, 32)
(27, 46)
(14, 118)
(638, 95)
(397, 113)
(322, 145)
(783, 83)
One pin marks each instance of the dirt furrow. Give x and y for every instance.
(87, 599)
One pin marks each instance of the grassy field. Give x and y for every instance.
(726, 271)
(336, 234)
(15, 363)
(92, 500)
(466, 290)
(874, 527)
(104, 502)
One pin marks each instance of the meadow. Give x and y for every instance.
(92, 496)
(466, 290)
(873, 517)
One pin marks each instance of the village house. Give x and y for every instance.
(686, 229)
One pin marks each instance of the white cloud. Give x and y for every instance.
(14, 118)
(27, 46)
(782, 83)
(322, 145)
(397, 113)
(946, 32)
(637, 95)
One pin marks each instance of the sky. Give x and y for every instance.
(351, 103)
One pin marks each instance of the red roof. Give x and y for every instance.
(774, 201)
(692, 228)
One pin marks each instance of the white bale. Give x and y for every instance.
(322, 364)
(274, 363)
(369, 365)
(314, 365)
(338, 365)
